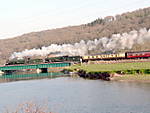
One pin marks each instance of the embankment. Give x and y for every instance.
(137, 71)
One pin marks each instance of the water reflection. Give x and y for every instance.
(17, 77)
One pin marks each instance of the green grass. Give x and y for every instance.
(112, 67)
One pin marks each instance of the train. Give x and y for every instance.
(79, 59)
(116, 56)
(74, 59)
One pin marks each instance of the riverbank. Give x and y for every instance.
(132, 78)
(137, 71)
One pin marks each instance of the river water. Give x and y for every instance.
(77, 95)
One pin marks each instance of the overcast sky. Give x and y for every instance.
(22, 16)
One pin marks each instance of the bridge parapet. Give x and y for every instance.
(35, 66)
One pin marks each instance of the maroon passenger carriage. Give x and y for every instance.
(139, 54)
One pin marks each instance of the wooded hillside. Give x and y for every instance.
(125, 22)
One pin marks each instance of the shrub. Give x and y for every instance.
(29, 107)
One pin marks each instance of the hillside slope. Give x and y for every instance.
(125, 22)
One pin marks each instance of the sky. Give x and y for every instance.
(23, 16)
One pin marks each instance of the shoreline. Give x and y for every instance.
(140, 78)
(132, 78)
(131, 72)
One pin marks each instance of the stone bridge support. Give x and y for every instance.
(1, 72)
(42, 70)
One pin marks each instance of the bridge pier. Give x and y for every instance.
(42, 70)
(38, 70)
(1, 72)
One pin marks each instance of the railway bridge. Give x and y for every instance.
(38, 67)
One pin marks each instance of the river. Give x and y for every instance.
(77, 95)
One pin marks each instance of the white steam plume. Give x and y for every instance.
(116, 42)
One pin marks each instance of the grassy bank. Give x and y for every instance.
(112, 67)
(137, 71)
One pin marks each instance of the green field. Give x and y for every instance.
(113, 67)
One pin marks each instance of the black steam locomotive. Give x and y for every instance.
(75, 59)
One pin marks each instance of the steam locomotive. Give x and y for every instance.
(75, 59)
(78, 59)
